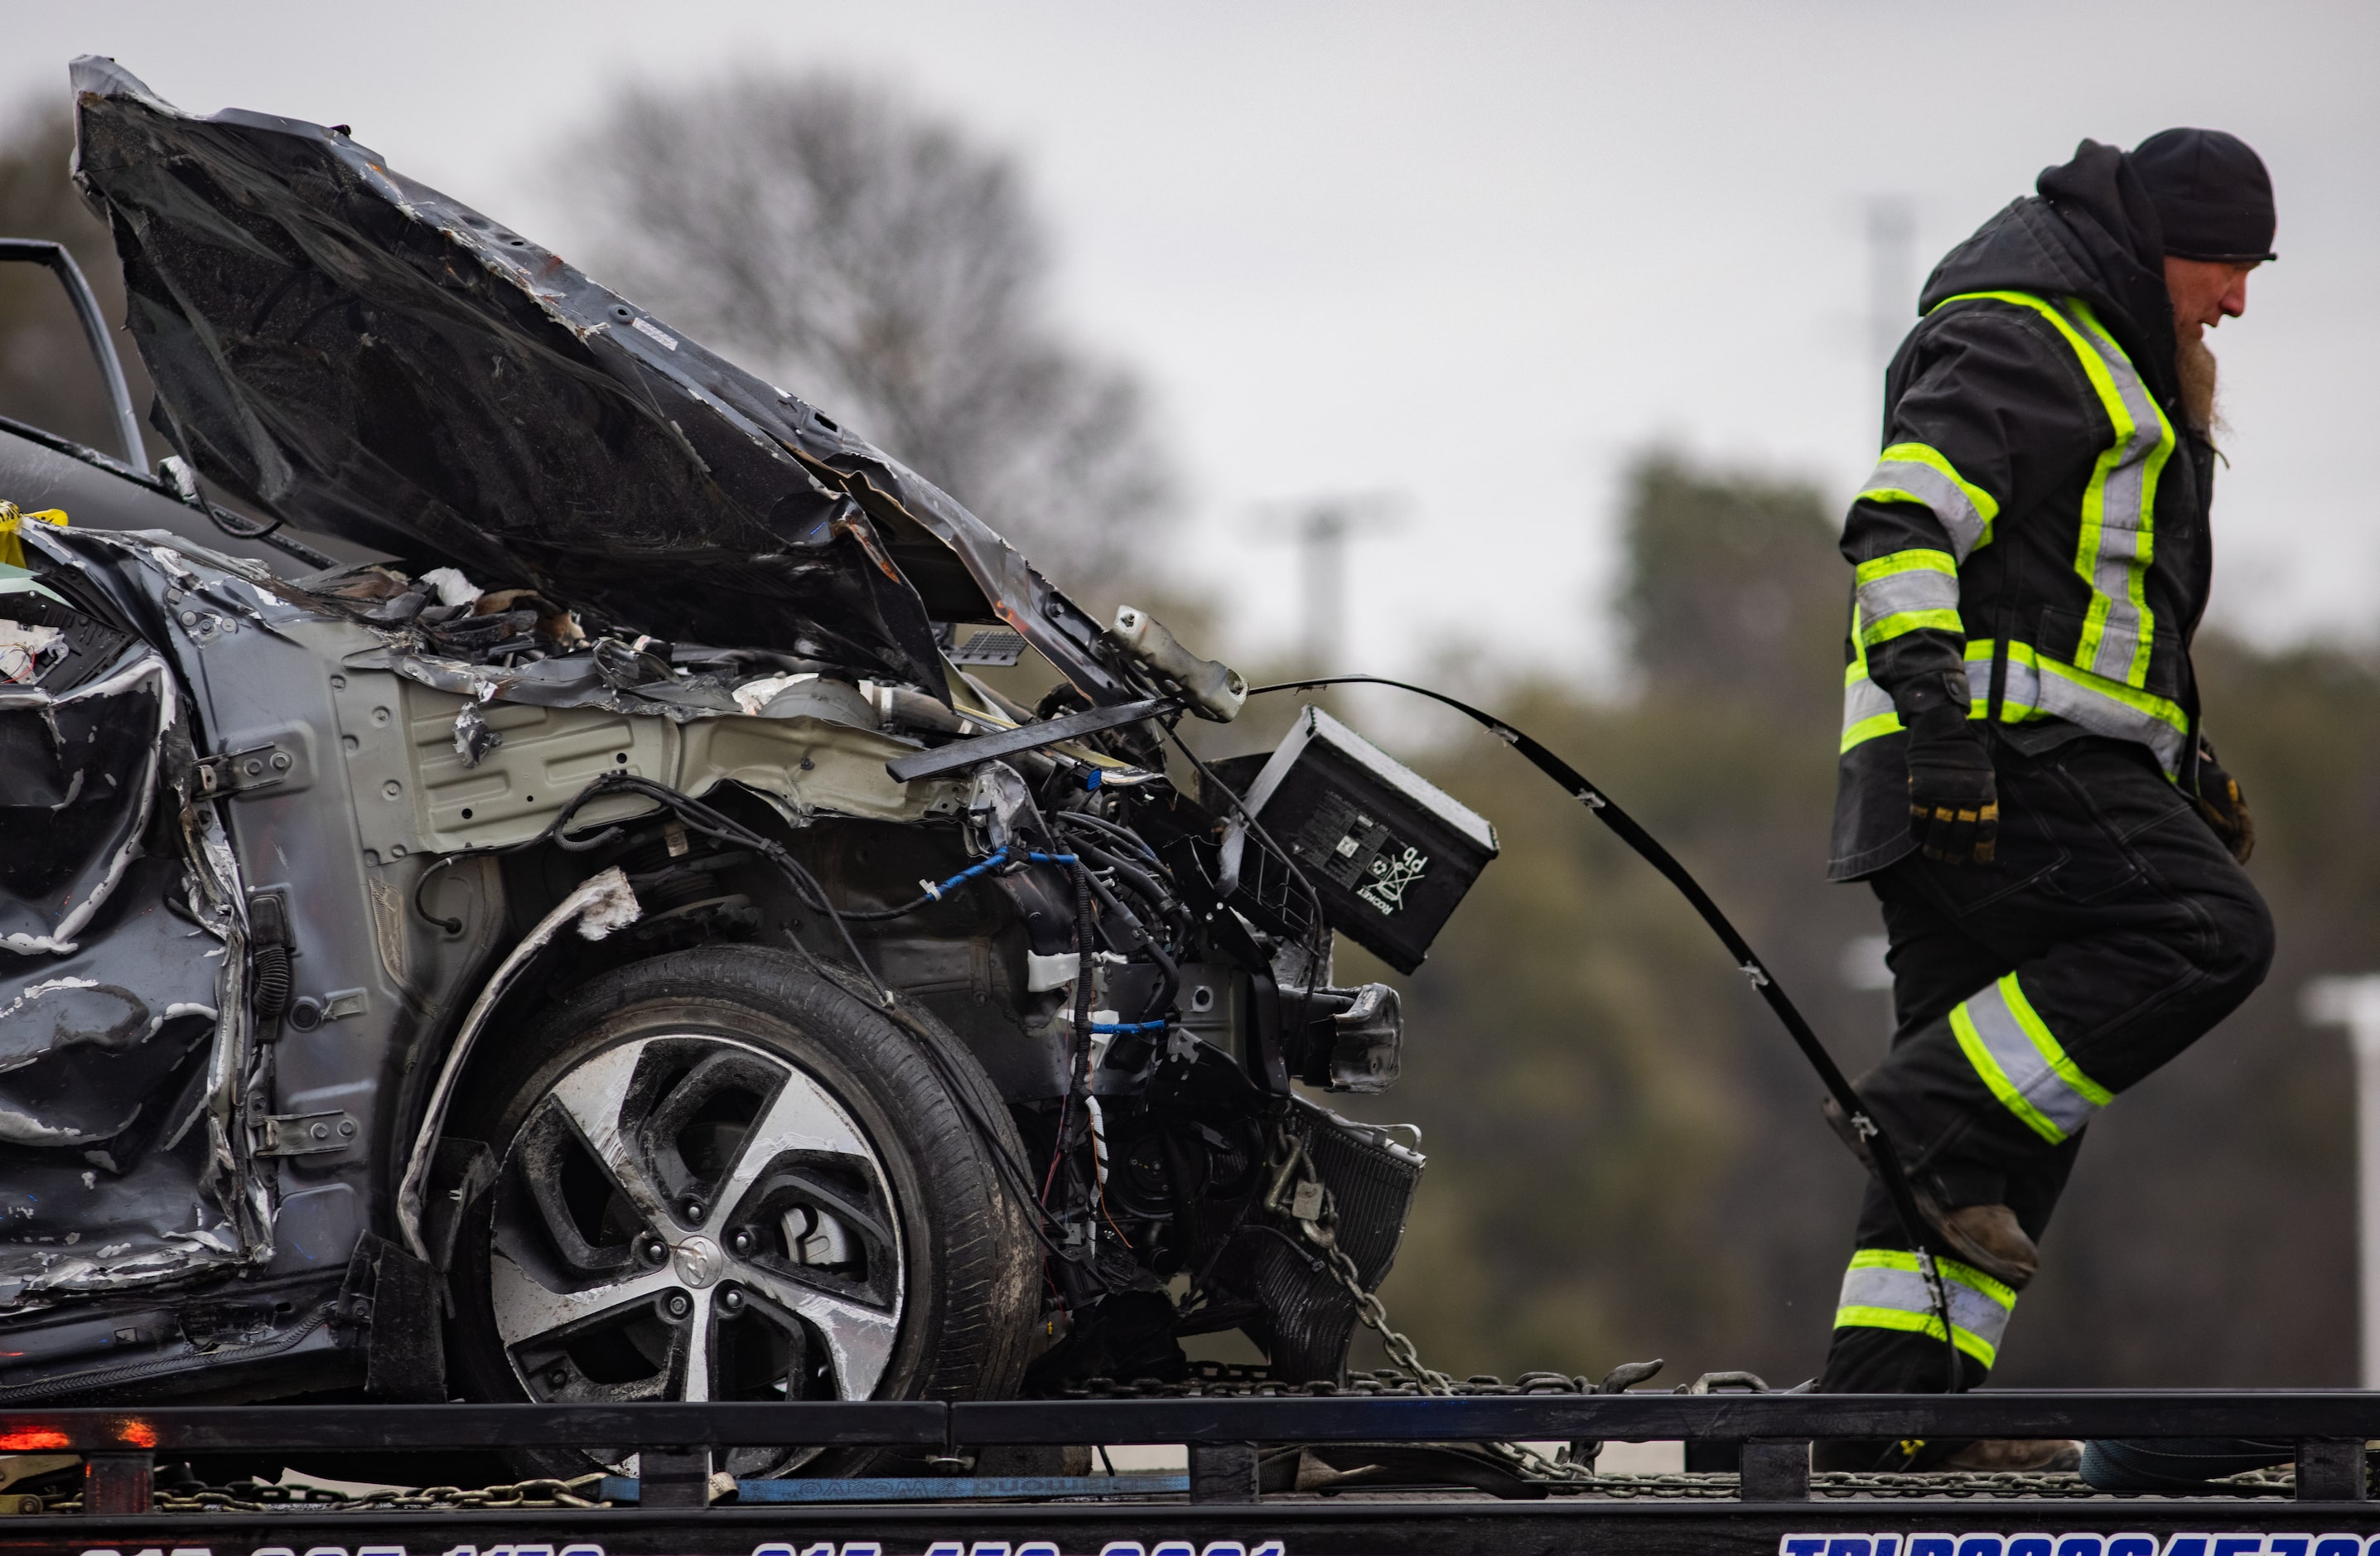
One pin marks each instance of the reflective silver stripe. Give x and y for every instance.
(2058, 692)
(1903, 1291)
(1919, 589)
(2101, 715)
(1938, 492)
(1862, 698)
(2126, 521)
(2024, 1069)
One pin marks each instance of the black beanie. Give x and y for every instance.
(2212, 194)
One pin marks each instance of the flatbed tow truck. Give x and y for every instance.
(1771, 1503)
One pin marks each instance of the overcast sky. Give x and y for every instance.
(1474, 254)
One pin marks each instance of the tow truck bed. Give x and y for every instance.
(1774, 1504)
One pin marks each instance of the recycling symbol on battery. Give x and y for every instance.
(1386, 890)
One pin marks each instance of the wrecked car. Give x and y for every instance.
(556, 908)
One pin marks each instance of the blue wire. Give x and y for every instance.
(994, 862)
(1118, 1029)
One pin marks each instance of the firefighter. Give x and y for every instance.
(2024, 780)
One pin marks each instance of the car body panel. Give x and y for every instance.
(360, 355)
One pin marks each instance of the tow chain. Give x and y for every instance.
(1298, 1193)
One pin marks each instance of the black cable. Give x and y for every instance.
(1122, 834)
(1889, 1171)
(714, 824)
(1161, 904)
(1169, 971)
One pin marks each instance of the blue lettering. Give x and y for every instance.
(2289, 1545)
(1122, 1548)
(1850, 1545)
(1937, 1545)
(2339, 1545)
(2131, 1545)
(1980, 1545)
(2081, 1545)
(1805, 1545)
(2237, 1544)
(2185, 1545)
(2028, 1545)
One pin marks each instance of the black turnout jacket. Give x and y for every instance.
(2034, 541)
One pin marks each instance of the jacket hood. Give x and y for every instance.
(2089, 233)
(358, 355)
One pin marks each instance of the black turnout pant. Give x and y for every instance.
(2130, 931)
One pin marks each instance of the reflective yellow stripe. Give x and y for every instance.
(2038, 687)
(2021, 1064)
(2113, 567)
(1988, 1068)
(1906, 591)
(2053, 1053)
(1903, 622)
(1867, 708)
(1912, 472)
(1883, 1288)
(1867, 729)
(1917, 560)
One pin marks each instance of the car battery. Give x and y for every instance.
(1390, 854)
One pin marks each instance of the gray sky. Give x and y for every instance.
(1476, 253)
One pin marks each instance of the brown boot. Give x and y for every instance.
(1986, 1236)
(2001, 1455)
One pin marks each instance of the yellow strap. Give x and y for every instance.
(12, 549)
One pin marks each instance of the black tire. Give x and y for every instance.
(885, 1231)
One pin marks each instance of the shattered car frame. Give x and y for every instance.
(550, 915)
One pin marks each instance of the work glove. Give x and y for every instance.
(2220, 802)
(1954, 812)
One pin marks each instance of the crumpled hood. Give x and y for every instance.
(2089, 233)
(358, 355)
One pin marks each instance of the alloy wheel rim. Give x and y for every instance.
(690, 1217)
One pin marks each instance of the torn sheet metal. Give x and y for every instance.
(111, 1176)
(357, 354)
(81, 765)
(122, 970)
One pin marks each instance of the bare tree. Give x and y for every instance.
(875, 261)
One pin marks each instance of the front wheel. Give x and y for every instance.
(722, 1176)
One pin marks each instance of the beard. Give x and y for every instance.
(2194, 364)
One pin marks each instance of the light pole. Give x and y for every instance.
(2354, 1003)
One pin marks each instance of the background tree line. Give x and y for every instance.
(1625, 1155)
